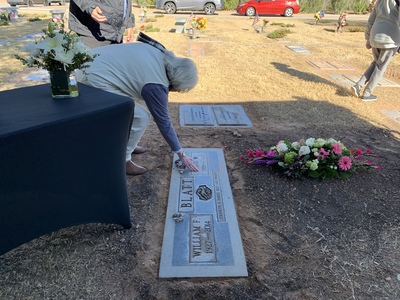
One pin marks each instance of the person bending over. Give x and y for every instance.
(142, 71)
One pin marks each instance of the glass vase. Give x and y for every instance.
(63, 84)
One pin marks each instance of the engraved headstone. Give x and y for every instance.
(213, 115)
(299, 49)
(180, 25)
(201, 234)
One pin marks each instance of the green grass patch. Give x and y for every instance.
(282, 24)
(280, 33)
(148, 28)
(150, 20)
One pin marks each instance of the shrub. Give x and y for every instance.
(280, 33)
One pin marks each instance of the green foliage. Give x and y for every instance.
(282, 24)
(312, 6)
(232, 4)
(148, 20)
(148, 28)
(336, 6)
(279, 33)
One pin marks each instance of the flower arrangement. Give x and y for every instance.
(319, 15)
(6, 16)
(199, 23)
(57, 50)
(317, 158)
(265, 22)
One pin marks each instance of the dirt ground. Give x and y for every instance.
(303, 239)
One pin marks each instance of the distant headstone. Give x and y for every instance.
(201, 234)
(330, 65)
(180, 25)
(299, 49)
(58, 13)
(40, 75)
(213, 116)
(30, 36)
(196, 49)
(393, 114)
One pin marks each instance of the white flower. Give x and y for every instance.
(30, 48)
(319, 142)
(52, 43)
(66, 57)
(296, 145)
(314, 165)
(281, 147)
(80, 47)
(310, 141)
(331, 141)
(304, 150)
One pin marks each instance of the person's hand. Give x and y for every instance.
(130, 35)
(98, 16)
(187, 162)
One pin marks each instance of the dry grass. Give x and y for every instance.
(242, 66)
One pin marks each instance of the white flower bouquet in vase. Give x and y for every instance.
(59, 52)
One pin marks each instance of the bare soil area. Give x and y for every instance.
(303, 239)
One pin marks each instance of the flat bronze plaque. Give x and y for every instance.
(213, 116)
(299, 49)
(201, 234)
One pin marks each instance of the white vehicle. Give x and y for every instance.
(208, 6)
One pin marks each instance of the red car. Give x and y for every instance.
(269, 7)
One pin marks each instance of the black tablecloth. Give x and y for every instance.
(62, 161)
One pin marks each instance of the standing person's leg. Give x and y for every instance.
(141, 119)
(363, 80)
(382, 58)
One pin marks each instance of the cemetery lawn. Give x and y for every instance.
(303, 239)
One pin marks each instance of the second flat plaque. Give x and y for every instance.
(213, 116)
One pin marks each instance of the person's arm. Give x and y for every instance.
(130, 23)
(156, 98)
(86, 6)
(91, 8)
(370, 23)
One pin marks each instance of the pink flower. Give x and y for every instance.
(345, 163)
(322, 153)
(368, 151)
(358, 152)
(259, 153)
(250, 154)
(336, 148)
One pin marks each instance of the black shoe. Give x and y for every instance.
(369, 98)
